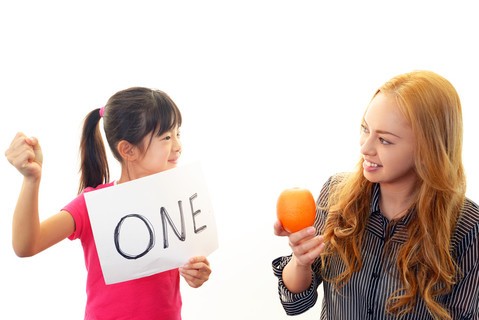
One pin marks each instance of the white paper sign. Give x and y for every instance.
(152, 224)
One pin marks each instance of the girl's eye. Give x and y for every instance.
(168, 137)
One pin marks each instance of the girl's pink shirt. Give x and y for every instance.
(153, 297)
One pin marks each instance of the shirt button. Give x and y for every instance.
(370, 311)
(375, 275)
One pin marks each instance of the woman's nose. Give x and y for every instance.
(367, 147)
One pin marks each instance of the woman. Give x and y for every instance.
(397, 238)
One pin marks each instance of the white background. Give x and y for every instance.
(272, 93)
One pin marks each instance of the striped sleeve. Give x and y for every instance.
(463, 302)
(294, 303)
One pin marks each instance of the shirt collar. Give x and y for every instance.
(378, 223)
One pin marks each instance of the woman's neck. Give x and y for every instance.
(396, 200)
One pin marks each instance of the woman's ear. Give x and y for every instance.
(127, 151)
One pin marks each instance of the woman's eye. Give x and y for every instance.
(167, 138)
(383, 141)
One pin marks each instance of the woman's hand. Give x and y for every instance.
(25, 154)
(306, 247)
(305, 244)
(196, 271)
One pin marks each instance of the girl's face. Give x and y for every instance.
(161, 154)
(387, 143)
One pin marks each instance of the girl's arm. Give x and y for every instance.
(29, 236)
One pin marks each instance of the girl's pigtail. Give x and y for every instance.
(94, 168)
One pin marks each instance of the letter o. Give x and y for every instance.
(148, 225)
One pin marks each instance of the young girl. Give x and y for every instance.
(397, 238)
(142, 129)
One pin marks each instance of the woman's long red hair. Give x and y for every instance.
(432, 107)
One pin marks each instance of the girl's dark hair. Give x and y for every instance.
(129, 115)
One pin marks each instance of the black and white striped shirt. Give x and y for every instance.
(366, 293)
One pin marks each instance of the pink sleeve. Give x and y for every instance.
(77, 208)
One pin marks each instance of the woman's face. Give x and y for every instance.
(387, 143)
